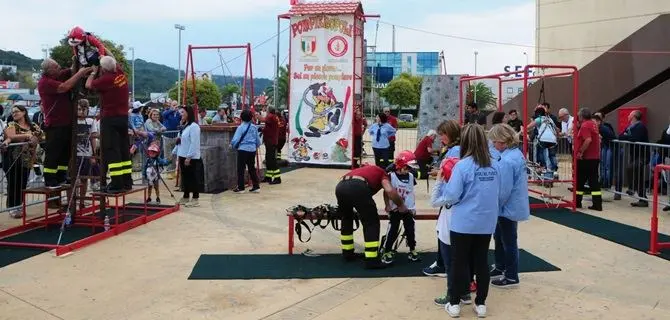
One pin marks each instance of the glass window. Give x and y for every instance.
(510, 90)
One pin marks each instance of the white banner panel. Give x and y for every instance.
(321, 89)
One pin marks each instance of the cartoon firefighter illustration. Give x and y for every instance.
(327, 111)
(301, 149)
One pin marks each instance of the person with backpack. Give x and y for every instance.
(545, 139)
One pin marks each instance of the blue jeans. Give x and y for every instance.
(445, 253)
(606, 167)
(507, 248)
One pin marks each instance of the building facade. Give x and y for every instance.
(577, 32)
(387, 65)
(619, 49)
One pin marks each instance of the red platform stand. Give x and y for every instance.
(383, 215)
(88, 216)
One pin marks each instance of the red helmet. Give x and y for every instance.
(76, 36)
(153, 150)
(404, 158)
(447, 166)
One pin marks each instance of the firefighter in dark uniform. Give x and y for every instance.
(355, 190)
(54, 87)
(283, 131)
(271, 139)
(112, 86)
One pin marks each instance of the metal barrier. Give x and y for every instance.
(654, 245)
(632, 165)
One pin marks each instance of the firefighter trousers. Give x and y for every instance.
(355, 194)
(57, 156)
(116, 152)
(271, 168)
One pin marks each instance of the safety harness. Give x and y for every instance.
(319, 216)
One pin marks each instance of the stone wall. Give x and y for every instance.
(439, 102)
(219, 160)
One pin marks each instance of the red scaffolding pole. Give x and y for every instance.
(503, 77)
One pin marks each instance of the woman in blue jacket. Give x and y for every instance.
(474, 214)
(513, 205)
(381, 145)
(246, 141)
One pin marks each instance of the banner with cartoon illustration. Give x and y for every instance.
(322, 93)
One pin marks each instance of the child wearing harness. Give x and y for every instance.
(152, 170)
(403, 181)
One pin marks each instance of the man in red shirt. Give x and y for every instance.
(355, 190)
(271, 139)
(112, 86)
(587, 147)
(424, 153)
(393, 121)
(359, 128)
(54, 88)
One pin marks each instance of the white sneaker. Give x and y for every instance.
(193, 203)
(480, 310)
(183, 201)
(453, 310)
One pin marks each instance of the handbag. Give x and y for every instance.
(237, 145)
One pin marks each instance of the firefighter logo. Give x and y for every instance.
(338, 46)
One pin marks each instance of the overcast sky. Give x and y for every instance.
(148, 26)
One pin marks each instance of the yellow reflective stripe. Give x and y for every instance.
(350, 237)
(372, 244)
(127, 163)
(120, 172)
(581, 193)
(370, 254)
(64, 168)
(348, 246)
(115, 165)
(48, 170)
(596, 193)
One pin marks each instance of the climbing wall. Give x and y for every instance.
(439, 102)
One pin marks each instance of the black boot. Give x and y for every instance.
(579, 201)
(276, 181)
(350, 255)
(597, 203)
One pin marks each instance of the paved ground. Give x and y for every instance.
(142, 274)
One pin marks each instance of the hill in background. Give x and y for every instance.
(149, 77)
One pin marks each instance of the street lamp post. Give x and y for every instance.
(133, 72)
(180, 28)
(474, 98)
(274, 85)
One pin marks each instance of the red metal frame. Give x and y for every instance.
(247, 87)
(248, 74)
(654, 245)
(383, 215)
(574, 73)
(86, 217)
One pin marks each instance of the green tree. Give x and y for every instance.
(26, 80)
(282, 89)
(206, 91)
(486, 99)
(63, 54)
(416, 82)
(6, 74)
(228, 91)
(402, 92)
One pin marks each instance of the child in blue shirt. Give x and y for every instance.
(514, 205)
(474, 213)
